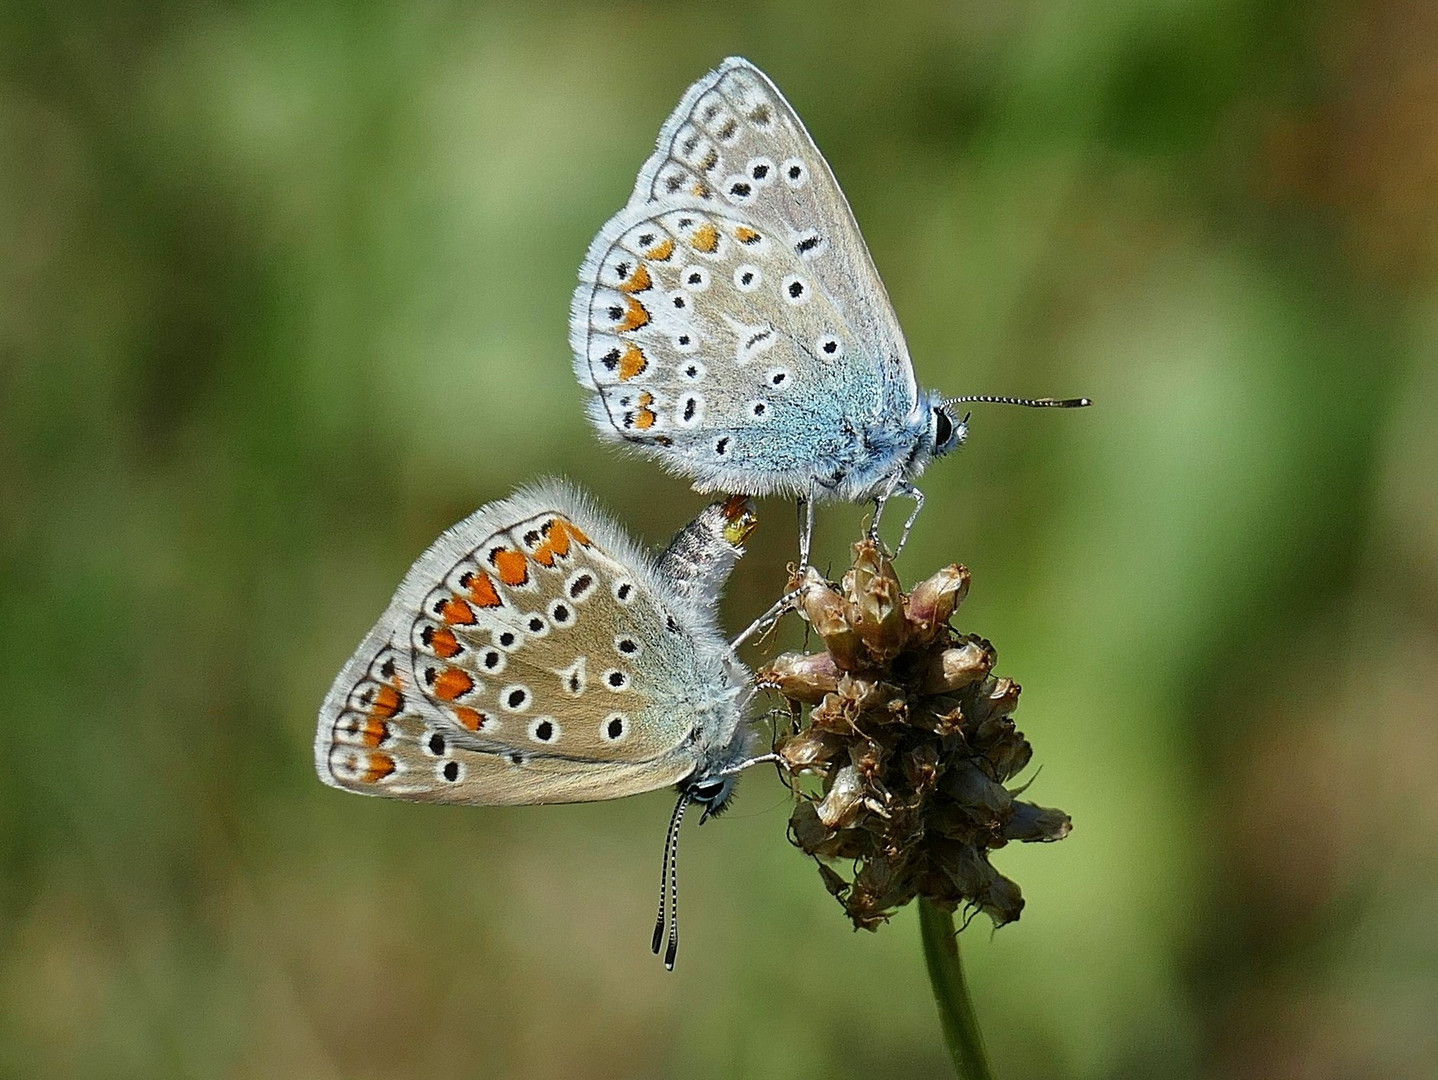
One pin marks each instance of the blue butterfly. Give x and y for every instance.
(731, 324)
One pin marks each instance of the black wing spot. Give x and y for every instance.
(437, 744)
(451, 771)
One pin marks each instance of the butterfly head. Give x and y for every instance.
(947, 430)
(710, 792)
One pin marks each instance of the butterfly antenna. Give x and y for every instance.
(669, 885)
(1032, 403)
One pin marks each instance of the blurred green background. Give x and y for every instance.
(283, 293)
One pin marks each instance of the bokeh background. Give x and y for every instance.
(283, 293)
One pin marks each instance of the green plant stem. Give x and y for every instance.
(951, 993)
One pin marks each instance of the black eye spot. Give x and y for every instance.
(831, 346)
(536, 624)
(809, 243)
(759, 408)
(506, 639)
(779, 378)
(451, 771)
(746, 278)
(518, 759)
(684, 340)
(759, 172)
(691, 370)
(645, 239)
(722, 446)
(685, 222)
(575, 683)
(796, 289)
(560, 613)
(610, 360)
(795, 171)
(491, 659)
(615, 679)
(624, 590)
(673, 182)
(615, 728)
(740, 190)
(580, 586)
(622, 269)
(696, 278)
(679, 302)
(429, 676)
(690, 407)
(943, 427)
(436, 744)
(387, 668)
(616, 313)
(628, 645)
(516, 698)
(544, 731)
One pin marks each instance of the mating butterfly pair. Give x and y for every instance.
(731, 324)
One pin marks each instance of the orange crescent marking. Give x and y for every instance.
(544, 555)
(482, 590)
(443, 642)
(576, 533)
(638, 281)
(635, 316)
(471, 719)
(374, 733)
(661, 251)
(558, 539)
(632, 363)
(386, 703)
(456, 611)
(706, 238)
(452, 683)
(745, 235)
(380, 766)
(512, 566)
(644, 419)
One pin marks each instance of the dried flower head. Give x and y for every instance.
(913, 742)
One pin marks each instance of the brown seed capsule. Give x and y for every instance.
(878, 602)
(955, 668)
(934, 601)
(830, 616)
(801, 678)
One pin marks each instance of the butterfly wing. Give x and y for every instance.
(709, 344)
(530, 655)
(734, 141)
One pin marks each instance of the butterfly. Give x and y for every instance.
(731, 324)
(535, 654)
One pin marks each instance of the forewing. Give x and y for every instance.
(709, 343)
(519, 662)
(735, 141)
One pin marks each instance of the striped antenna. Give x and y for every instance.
(1032, 403)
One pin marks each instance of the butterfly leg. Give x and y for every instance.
(897, 487)
(762, 624)
(918, 496)
(806, 531)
